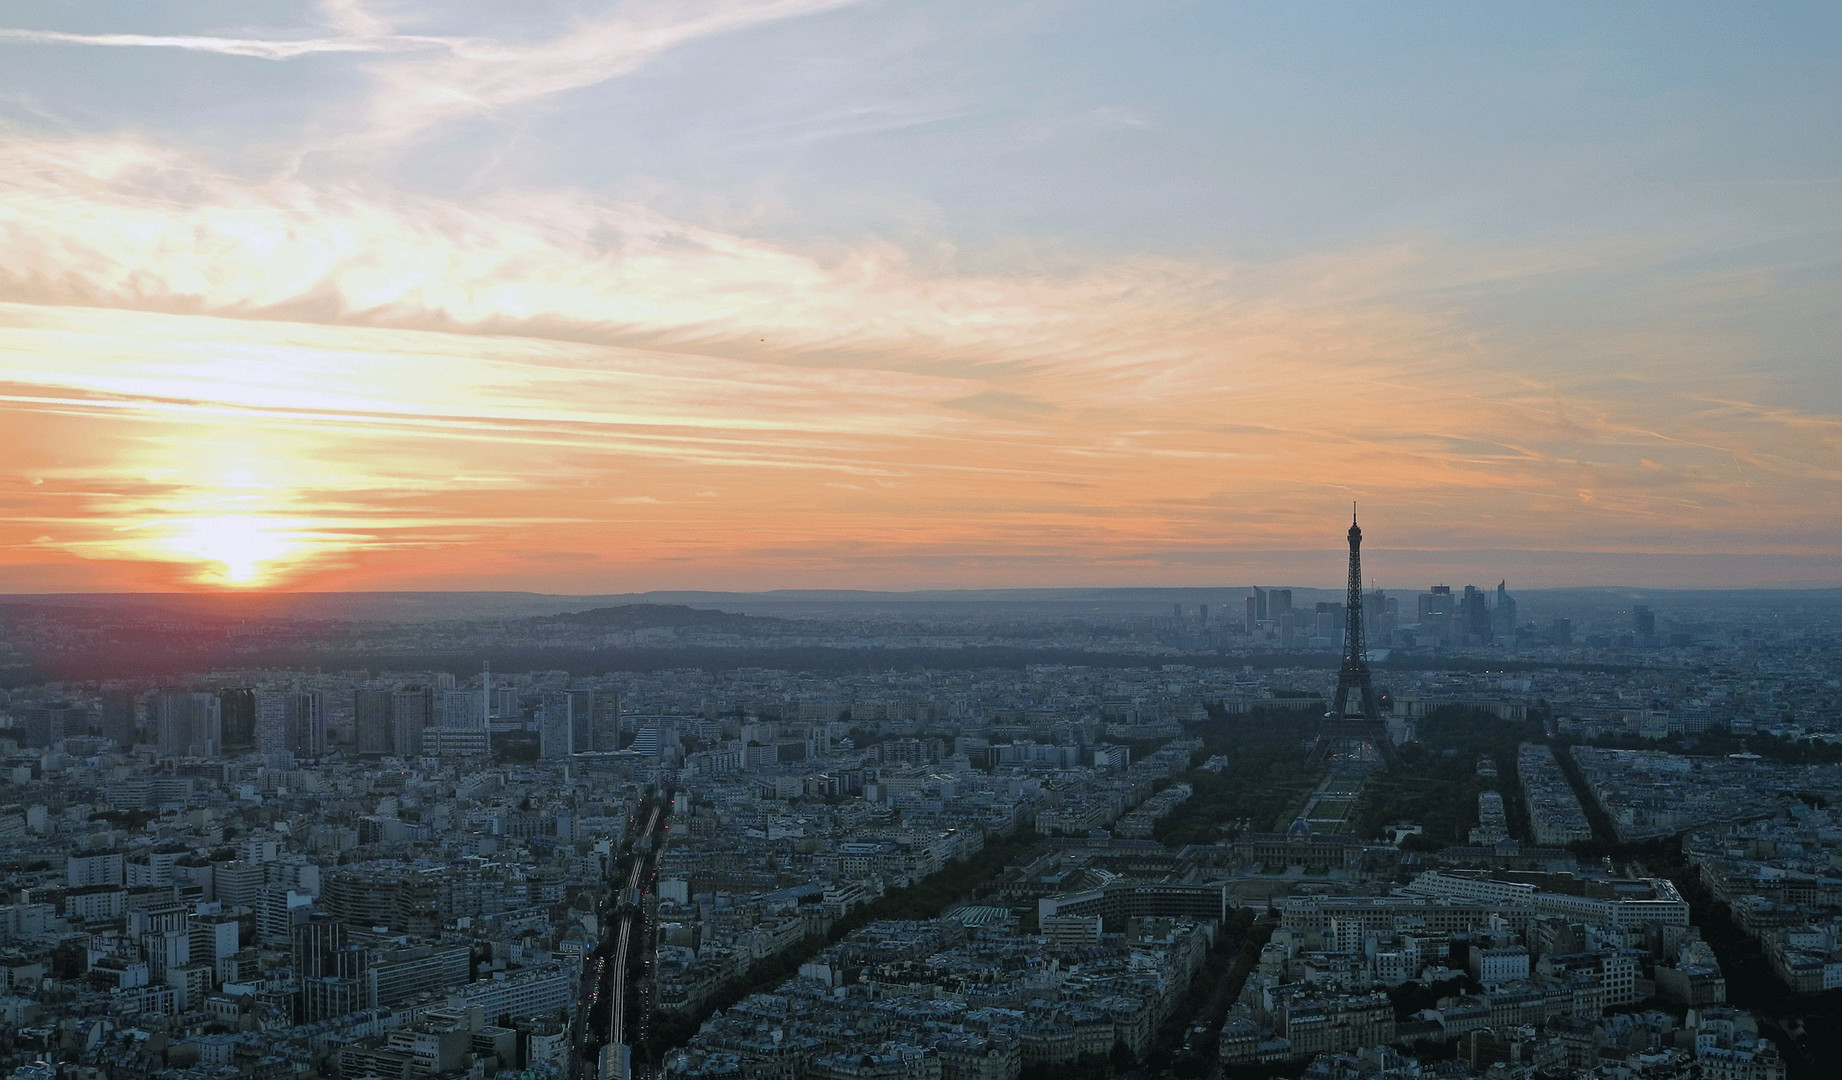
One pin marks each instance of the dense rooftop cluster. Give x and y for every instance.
(953, 871)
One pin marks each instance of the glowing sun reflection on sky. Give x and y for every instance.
(242, 551)
(236, 529)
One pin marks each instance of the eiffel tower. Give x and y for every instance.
(1365, 724)
(1353, 674)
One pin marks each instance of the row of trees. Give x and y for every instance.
(1435, 781)
(1720, 743)
(1236, 953)
(924, 899)
(1264, 783)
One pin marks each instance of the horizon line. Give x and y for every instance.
(814, 592)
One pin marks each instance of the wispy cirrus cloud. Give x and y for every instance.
(477, 76)
(117, 223)
(256, 48)
(421, 80)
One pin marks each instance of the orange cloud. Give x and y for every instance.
(214, 380)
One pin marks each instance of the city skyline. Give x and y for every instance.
(595, 298)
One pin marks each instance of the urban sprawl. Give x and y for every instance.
(1162, 861)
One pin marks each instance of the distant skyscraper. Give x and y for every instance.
(120, 718)
(1328, 622)
(306, 723)
(1644, 621)
(411, 710)
(463, 710)
(1375, 608)
(1278, 603)
(237, 714)
(188, 724)
(271, 724)
(578, 721)
(371, 721)
(1253, 614)
(582, 705)
(1260, 604)
(1476, 613)
(607, 720)
(44, 725)
(291, 721)
(1503, 616)
(1435, 613)
(556, 725)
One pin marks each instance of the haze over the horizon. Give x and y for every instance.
(586, 297)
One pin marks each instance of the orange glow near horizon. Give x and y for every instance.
(242, 552)
(217, 528)
(248, 456)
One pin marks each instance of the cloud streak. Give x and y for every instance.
(428, 79)
(129, 225)
(255, 48)
(478, 76)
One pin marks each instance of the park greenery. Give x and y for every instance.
(1262, 787)
(1435, 782)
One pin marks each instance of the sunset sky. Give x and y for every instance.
(601, 297)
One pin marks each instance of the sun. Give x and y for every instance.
(241, 551)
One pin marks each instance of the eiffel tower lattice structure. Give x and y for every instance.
(1365, 723)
